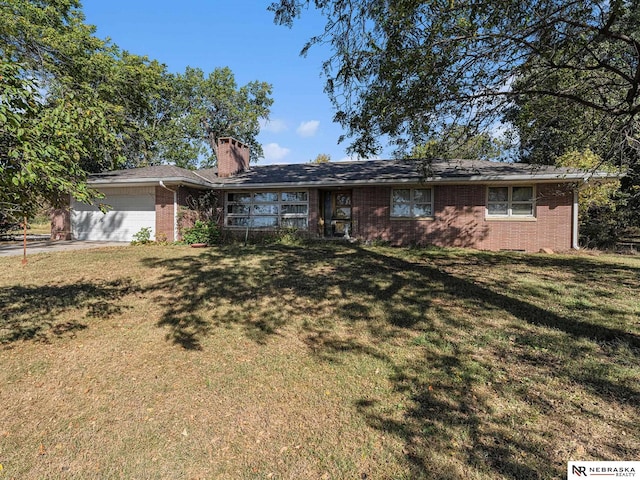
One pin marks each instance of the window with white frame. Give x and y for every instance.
(511, 201)
(411, 202)
(288, 209)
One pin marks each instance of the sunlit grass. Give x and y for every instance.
(323, 361)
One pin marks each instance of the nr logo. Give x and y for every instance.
(579, 470)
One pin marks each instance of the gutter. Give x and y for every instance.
(140, 182)
(175, 210)
(522, 179)
(574, 219)
(237, 183)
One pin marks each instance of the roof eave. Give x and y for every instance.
(415, 180)
(236, 184)
(146, 182)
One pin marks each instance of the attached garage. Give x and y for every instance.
(132, 208)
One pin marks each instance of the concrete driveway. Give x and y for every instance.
(12, 248)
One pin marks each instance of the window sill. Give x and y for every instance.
(229, 227)
(490, 218)
(430, 219)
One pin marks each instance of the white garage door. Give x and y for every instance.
(132, 209)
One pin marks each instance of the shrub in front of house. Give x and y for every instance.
(142, 237)
(201, 232)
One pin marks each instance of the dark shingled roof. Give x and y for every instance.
(166, 173)
(397, 171)
(349, 173)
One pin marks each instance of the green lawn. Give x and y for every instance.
(322, 361)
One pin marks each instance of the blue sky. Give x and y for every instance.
(241, 35)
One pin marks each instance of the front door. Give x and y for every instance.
(336, 213)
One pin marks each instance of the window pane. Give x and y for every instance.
(238, 209)
(237, 221)
(498, 208)
(265, 197)
(343, 199)
(239, 197)
(271, 209)
(294, 209)
(400, 210)
(422, 195)
(264, 222)
(294, 222)
(522, 209)
(522, 194)
(422, 210)
(498, 194)
(294, 196)
(265, 209)
(342, 212)
(401, 196)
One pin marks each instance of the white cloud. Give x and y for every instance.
(308, 129)
(274, 152)
(274, 125)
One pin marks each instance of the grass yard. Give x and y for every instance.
(327, 361)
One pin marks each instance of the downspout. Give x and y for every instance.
(175, 210)
(574, 219)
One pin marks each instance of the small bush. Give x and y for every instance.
(161, 239)
(201, 232)
(142, 237)
(289, 236)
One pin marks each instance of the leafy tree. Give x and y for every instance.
(548, 128)
(135, 92)
(595, 195)
(321, 158)
(203, 109)
(411, 69)
(40, 150)
(555, 131)
(48, 44)
(69, 103)
(609, 210)
(459, 144)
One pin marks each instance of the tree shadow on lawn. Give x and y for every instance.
(553, 351)
(483, 385)
(35, 312)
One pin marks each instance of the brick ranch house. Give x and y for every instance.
(463, 203)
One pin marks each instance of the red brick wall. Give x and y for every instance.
(61, 222)
(164, 214)
(459, 220)
(233, 157)
(314, 212)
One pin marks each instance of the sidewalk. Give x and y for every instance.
(14, 248)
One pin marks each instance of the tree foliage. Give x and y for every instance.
(411, 69)
(556, 131)
(73, 104)
(457, 144)
(204, 108)
(596, 194)
(321, 158)
(51, 121)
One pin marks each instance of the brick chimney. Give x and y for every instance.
(233, 157)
